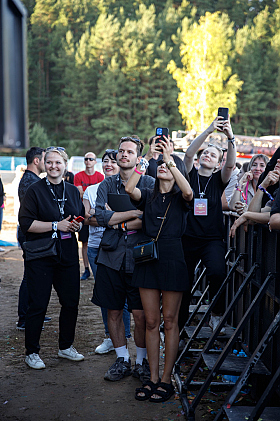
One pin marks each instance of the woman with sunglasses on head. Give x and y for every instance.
(165, 214)
(246, 187)
(48, 211)
(204, 236)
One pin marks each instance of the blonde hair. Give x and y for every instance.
(61, 152)
(259, 155)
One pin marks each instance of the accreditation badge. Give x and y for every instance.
(200, 207)
(65, 235)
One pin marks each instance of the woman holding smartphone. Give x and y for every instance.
(166, 277)
(204, 236)
(47, 211)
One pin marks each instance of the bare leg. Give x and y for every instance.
(84, 254)
(140, 328)
(151, 304)
(171, 301)
(116, 328)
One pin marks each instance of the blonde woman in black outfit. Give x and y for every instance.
(47, 210)
(204, 236)
(168, 275)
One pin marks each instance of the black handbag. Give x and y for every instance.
(110, 239)
(43, 247)
(147, 251)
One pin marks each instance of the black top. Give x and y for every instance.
(176, 219)
(28, 178)
(210, 226)
(276, 204)
(69, 177)
(114, 259)
(152, 168)
(39, 204)
(2, 194)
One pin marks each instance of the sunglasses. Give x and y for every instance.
(160, 162)
(108, 151)
(89, 159)
(58, 148)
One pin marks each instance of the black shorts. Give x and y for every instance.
(83, 234)
(113, 287)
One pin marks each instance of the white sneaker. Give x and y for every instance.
(71, 354)
(106, 346)
(1, 249)
(34, 361)
(213, 323)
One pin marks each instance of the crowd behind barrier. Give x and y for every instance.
(262, 247)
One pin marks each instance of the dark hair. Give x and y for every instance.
(151, 140)
(135, 139)
(34, 152)
(111, 153)
(183, 170)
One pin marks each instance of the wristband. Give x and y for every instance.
(124, 226)
(54, 226)
(232, 141)
(138, 172)
(144, 164)
(239, 189)
(266, 192)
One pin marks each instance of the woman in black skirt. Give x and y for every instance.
(168, 275)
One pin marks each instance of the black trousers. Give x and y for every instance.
(42, 274)
(212, 255)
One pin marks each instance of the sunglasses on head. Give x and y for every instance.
(217, 147)
(108, 151)
(89, 159)
(128, 138)
(59, 148)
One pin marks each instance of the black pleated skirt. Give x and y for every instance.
(169, 273)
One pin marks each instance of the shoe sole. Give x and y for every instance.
(104, 352)
(70, 359)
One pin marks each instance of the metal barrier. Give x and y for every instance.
(262, 247)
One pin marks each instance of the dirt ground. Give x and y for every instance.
(64, 390)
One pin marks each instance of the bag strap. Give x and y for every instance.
(163, 220)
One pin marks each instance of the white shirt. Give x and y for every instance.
(95, 233)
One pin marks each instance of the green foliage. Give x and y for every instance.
(38, 136)
(101, 69)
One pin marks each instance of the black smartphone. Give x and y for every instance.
(161, 131)
(223, 112)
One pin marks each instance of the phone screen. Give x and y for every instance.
(223, 112)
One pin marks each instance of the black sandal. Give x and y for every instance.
(165, 394)
(145, 390)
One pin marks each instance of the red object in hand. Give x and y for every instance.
(79, 219)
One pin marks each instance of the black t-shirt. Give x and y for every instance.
(39, 204)
(176, 219)
(210, 226)
(276, 204)
(28, 178)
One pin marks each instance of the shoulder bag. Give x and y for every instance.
(147, 251)
(43, 247)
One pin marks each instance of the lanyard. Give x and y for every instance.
(201, 194)
(60, 202)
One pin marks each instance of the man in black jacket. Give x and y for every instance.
(35, 166)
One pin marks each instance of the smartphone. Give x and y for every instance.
(161, 131)
(223, 112)
(79, 219)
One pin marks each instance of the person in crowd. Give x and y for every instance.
(48, 210)
(157, 156)
(228, 192)
(256, 213)
(247, 185)
(82, 180)
(2, 202)
(110, 167)
(115, 266)
(69, 177)
(165, 216)
(243, 169)
(273, 163)
(274, 221)
(35, 167)
(205, 234)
